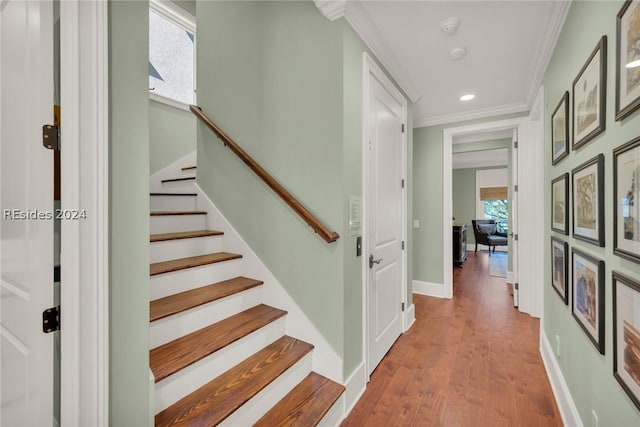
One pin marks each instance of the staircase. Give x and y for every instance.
(220, 356)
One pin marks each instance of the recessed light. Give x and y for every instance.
(633, 64)
(467, 97)
(457, 53)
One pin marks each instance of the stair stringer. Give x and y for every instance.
(169, 172)
(325, 360)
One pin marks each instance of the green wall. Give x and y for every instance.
(172, 135)
(129, 403)
(427, 197)
(589, 375)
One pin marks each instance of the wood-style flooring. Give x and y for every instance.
(470, 361)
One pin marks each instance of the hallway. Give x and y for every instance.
(470, 361)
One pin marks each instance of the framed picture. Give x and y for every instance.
(628, 59)
(589, 96)
(626, 335)
(560, 268)
(588, 203)
(560, 204)
(626, 200)
(560, 130)
(587, 304)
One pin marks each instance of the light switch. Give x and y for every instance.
(416, 223)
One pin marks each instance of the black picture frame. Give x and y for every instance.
(626, 335)
(587, 201)
(627, 78)
(560, 204)
(560, 268)
(589, 98)
(587, 296)
(560, 130)
(626, 200)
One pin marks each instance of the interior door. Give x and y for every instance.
(384, 226)
(513, 234)
(26, 201)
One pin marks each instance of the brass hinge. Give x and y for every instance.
(51, 320)
(51, 137)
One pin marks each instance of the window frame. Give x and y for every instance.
(183, 19)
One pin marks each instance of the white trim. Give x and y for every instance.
(331, 9)
(409, 317)
(470, 115)
(510, 277)
(169, 101)
(438, 290)
(355, 387)
(174, 13)
(370, 68)
(84, 244)
(566, 405)
(471, 247)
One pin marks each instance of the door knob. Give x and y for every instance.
(373, 261)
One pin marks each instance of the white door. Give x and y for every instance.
(384, 225)
(514, 217)
(26, 251)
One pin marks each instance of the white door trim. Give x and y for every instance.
(371, 68)
(84, 185)
(447, 190)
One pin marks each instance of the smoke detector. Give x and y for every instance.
(457, 53)
(450, 26)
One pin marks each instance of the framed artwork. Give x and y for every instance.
(626, 200)
(560, 204)
(626, 335)
(628, 59)
(589, 96)
(588, 203)
(560, 130)
(587, 303)
(560, 268)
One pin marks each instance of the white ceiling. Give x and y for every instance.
(478, 159)
(509, 44)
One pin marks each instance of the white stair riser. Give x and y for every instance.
(256, 407)
(182, 248)
(185, 186)
(172, 203)
(170, 328)
(166, 284)
(177, 223)
(335, 415)
(180, 384)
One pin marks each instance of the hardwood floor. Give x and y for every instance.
(470, 361)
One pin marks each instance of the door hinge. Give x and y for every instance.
(51, 320)
(515, 188)
(515, 285)
(403, 245)
(403, 128)
(515, 144)
(402, 183)
(51, 137)
(402, 306)
(515, 237)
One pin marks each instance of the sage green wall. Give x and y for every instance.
(172, 134)
(129, 403)
(589, 375)
(481, 145)
(427, 197)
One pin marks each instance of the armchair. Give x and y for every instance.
(485, 232)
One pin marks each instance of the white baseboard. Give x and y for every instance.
(471, 247)
(437, 290)
(566, 405)
(355, 387)
(409, 317)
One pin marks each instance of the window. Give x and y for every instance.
(171, 54)
(497, 209)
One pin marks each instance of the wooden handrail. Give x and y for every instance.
(317, 225)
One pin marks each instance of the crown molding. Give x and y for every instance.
(470, 115)
(551, 35)
(331, 9)
(480, 159)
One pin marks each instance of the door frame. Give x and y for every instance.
(84, 185)
(530, 146)
(371, 69)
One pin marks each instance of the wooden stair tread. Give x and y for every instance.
(188, 178)
(216, 400)
(188, 168)
(189, 262)
(184, 235)
(173, 304)
(168, 213)
(305, 405)
(173, 356)
(173, 194)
